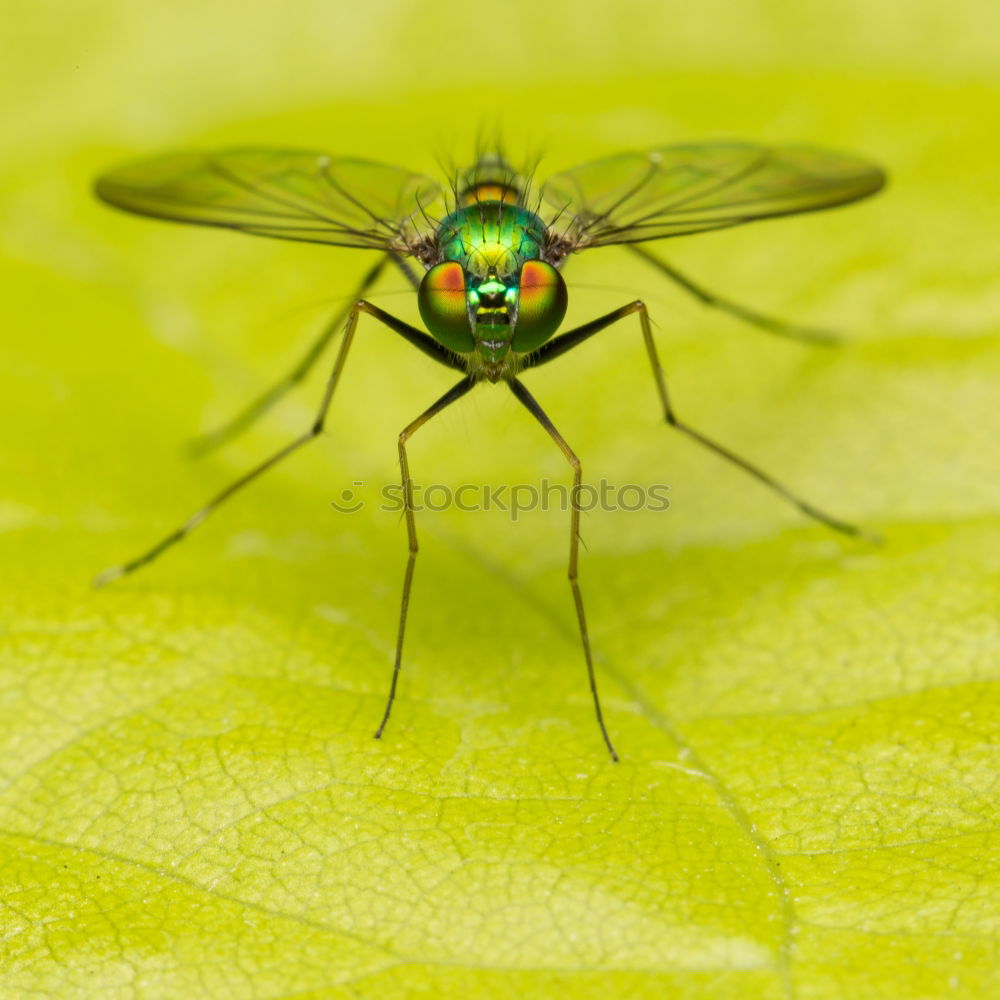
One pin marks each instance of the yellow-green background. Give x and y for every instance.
(191, 804)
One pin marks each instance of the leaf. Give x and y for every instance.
(191, 801)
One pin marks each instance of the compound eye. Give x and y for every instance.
(444, 307)
(541, 305)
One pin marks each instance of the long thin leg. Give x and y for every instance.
(415, 336)
(572, 338)
(248, 416)
(539, 414)
(792, 331)
(455, 392)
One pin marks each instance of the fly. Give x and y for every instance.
(485, 258)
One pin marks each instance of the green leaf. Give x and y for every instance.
(191, 801)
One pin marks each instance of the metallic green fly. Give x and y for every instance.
(491, 248)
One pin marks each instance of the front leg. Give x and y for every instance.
(455, 392)
(540, 415)
(573, 338)
(416, 337)
(247, 417)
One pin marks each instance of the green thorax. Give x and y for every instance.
(491, 240)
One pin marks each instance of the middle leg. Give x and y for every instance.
(573, 338)
(792, 331)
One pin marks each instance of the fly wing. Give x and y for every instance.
(677, 190)
(284, 193)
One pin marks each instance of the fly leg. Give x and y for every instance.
(249, 415)
(779, 327)
(572, 338)
(539, 414)
(455, 392)
(416, 337)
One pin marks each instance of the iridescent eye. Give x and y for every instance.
(444, 307)
(541, 305)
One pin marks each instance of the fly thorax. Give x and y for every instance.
(491, 238)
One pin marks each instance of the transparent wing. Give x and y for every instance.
(288, 194)
(676, 190)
